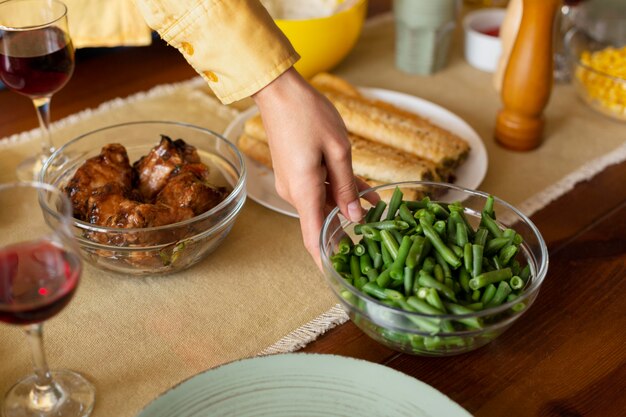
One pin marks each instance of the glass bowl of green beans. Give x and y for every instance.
(433, 269)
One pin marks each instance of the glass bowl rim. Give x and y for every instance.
(237, 189)
(534, 288)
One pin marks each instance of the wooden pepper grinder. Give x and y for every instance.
(528, 78)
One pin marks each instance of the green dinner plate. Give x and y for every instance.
(302, 385)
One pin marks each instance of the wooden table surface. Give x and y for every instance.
(565, 357)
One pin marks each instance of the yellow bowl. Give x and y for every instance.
(323, 42)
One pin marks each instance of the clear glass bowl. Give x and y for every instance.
(165, 249)
(603, 92)
(394, 327)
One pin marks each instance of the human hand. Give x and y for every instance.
(311, 154)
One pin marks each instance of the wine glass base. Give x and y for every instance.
(73, 396)
(30, 168)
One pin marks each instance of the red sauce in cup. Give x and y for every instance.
(493, 31)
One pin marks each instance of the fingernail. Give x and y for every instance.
(355, 211)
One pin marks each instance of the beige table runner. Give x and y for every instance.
(260, 292)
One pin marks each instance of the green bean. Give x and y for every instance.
(516, 283)
(340, 257)
(408, 280)
(428, 281)
(491, 225)
(365, 263)
(475, 306)
(440, 227)
(450, 283)
(432, 298)
(495, 244)
(488, 208)
(374, 290)
(406, 215)
(360, 281)
(457, 208)
(525, 274)
(506, 254)
(438, 273)
(355, 268)
(415, 251)
(447, 273)
(397, 268)
(426, 215)
(416, 205)
(461, 232)
(382, 225)
(426, 324)
(389, 243)
(383, 279)
(438, 210)
(358, 249)
(345, 245)
(477, 259)
(374, 252)
(481, 236)
(393, 295)
(394, 203)
(467, 257)
(501, 293)
(488, 294)
(473, 322)
(422, 306)
(456, 249)
(429, 265)
(397, 235)
(464, 278)
(419, 251)
(422, 292)
(436, 342)
(438, 244)
(496, 262)
(476, 295)
(490, 277)
(376, 212)
(371, 233)
(372, 274)
(340, 266)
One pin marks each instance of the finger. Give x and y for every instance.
(311, 212)
(342, 181)
(372, 197)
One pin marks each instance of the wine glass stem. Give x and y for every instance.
(42, 105)
(44, 395)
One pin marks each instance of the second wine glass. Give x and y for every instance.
(40, 268)
(36, 60)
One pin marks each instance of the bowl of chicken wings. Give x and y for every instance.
(149, 198)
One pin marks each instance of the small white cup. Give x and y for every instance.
(482, 51)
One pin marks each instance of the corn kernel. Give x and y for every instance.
(607, 86)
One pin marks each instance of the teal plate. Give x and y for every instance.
(302, 385)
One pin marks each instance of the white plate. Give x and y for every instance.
(303, 385)
(469, 175)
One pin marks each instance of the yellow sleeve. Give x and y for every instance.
(234, 44)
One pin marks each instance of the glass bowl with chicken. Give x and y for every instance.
(149, 198)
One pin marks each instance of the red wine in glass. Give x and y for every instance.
(38, 62)
(37, 280)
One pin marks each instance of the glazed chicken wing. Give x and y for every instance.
(153, 170)
(189, 190)
(110, 167)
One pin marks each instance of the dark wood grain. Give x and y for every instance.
(565, 357)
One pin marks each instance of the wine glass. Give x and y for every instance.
(36, 60)
(40, 268)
